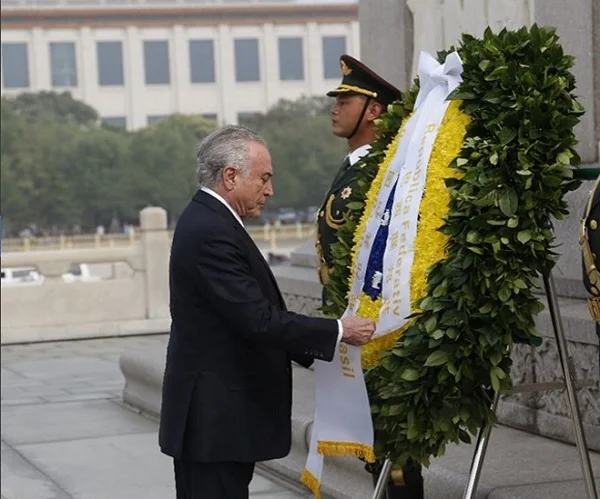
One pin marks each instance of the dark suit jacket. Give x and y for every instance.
(227, 387)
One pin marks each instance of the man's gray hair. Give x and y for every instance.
(227, 146)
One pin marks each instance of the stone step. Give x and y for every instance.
(519, 464)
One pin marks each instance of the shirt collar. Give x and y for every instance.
(222, 200)
(358, 153)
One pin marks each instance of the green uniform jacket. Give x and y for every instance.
(331, 216)
(591, 277)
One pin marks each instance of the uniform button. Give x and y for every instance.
(593, 225)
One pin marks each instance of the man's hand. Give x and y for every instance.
(357, 331)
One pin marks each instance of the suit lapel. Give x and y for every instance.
(252, 247)
(220, 208)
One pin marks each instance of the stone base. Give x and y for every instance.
(518, 465)
(548, 413)
(88, 331)
(143, 371)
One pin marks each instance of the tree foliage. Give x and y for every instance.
(62, 169)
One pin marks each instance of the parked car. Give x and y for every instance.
(17, 276)
(79, 272)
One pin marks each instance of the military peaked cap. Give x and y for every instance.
(359, 79)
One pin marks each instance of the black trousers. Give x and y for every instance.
(413, 487)
(194, 480)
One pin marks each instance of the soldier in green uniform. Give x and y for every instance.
(590, 245)
(360, 99)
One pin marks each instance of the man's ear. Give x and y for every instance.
(229, 174)
(375, 110)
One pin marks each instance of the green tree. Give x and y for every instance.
(99, 162)
(35, 174)
(161, 167)
(52, 106)
(306, 155)
(61, 167)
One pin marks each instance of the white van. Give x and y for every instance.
(18, 276)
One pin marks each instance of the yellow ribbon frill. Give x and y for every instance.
(362, 451)
(310, 480)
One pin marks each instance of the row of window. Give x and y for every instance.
(121, 121)
(109, 56)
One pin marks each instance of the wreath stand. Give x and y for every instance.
(569, 384)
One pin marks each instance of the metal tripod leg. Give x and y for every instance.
(383, 480)
(483, 437)
(569, 375)
(480, 449)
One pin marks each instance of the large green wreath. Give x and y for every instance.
(437, 384)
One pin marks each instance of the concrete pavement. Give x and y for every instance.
(67, 435)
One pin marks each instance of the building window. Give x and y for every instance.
(246, 60)
(291, 60)
(333, 48)
(115, 122)
(156, 62)
(202, 61)
(110, 63)
(15, 65)
(63, 64)
(153, 118)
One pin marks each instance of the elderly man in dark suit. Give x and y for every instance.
(228, 386)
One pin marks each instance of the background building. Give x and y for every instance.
(138, 61)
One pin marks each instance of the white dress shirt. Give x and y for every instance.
(239, 219)
(220, 198)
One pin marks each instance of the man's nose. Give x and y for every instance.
(269, 191)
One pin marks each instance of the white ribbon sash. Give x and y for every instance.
(343, 424)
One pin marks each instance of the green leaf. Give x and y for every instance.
(437, 358)
(504, 294)
(486, 309)
(438, 334)
(464, 436)
(356, 205)
(394, 410)
(483, 65)
(430, 324)
(476, 249)
(494, 158)
(513, 222)
(506, 136)
(499, 373)
(509, 202)
(495, 382)
(410, 374)
(412, 433)
(524, 236)
(473, 237)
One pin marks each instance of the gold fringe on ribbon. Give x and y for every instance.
(362, 451)
(312, 483)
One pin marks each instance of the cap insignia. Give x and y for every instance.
(345, 69)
